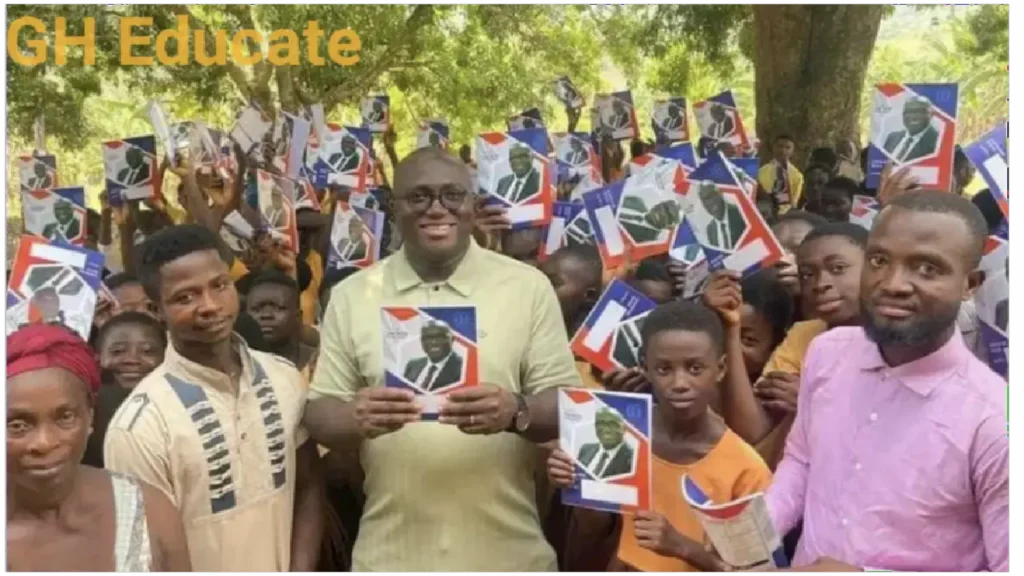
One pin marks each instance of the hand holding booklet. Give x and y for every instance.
(741, 531)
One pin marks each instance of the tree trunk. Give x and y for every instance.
(809, 69)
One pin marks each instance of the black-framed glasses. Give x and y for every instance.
(451, 197)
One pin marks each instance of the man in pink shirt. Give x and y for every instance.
(899, 458)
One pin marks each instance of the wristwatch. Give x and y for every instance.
(521, 421)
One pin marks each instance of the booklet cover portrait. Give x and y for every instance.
(568, 94)
(276, 199)
(614, 115)
(375, 112)
(131, 169)
(37, 172)
(53, 284)
(513, 170)
(725, 221)
(433, 132)
(608, 436)
(343, 158)
(57, 215)
(355, 237)
(719, 120)
(989, 155)
(431, 350)
(668, 119)
(914, 125)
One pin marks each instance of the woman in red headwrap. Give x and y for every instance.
(62, 515)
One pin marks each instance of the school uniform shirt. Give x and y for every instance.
(438, 499)
(226, 459)
(730, 470)
(767, 174)
(896, 468)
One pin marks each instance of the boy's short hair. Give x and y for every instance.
(586, 254)
(654, 268)
(118, 279)
(769, 298)
(814, 220)
(825, 157)
(848, 186)
(854, 233)
(270, 276)
(131, 317)
(783, 138)
(686, 316)
(169, 244)
(249, 329)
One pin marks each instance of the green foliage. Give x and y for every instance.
(989, 29)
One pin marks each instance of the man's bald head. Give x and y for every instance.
(427, 166)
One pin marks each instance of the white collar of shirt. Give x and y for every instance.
(208, 377)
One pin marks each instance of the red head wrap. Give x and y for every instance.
(39, 346)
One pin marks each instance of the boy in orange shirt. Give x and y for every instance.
(683, 358)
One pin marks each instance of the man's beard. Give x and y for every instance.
(921, 330)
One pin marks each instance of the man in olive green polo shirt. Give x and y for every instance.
(459, 494)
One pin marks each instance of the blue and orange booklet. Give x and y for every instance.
(913, 125)
(431, 350)
(609, 338)
(513, 171)
(433, 132)
(53, 283)
(57, 214)
(668, 119)
(992, 302)
(569, 225)
(719, 120)
(679, 153)
(614, 115)
(637, 217)
(341, 158)
(989, 156)
(375, 113)
(356, 235)
(37, 171)
(608, 437)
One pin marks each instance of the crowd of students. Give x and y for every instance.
(845, 371)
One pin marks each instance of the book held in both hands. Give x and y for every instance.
(37, 171)
(741, 531)
(276, 199)
(431, 350)
(608, 437)
(609, 338)
(614, 115)
(719, 120)
(668, 118)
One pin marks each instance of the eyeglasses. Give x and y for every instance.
(421, 199)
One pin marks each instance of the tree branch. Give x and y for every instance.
(420, 16)
(233, 70)
(262, 70)
(286, 91)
